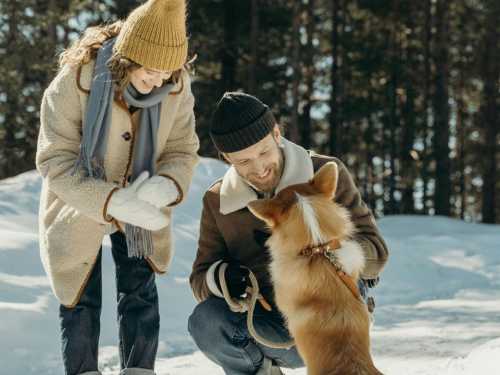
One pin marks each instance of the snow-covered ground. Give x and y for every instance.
(438, 305)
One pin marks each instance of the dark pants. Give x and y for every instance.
(222, 335)
(138, 317)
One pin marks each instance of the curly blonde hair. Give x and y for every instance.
(85, 49)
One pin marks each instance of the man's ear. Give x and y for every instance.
(277, 132)
(264, 209)
(325, 179)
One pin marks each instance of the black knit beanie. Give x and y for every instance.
(240, 121)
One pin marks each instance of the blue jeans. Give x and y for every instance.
(138, 317)
(222, 335)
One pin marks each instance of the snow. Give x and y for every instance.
(438, 304)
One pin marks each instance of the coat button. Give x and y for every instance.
(127, 136)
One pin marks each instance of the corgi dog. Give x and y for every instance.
(315, 267)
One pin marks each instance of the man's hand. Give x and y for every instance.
(371, 283)
(236, 277)
(158, 191)
(363, 285)
(124, 205)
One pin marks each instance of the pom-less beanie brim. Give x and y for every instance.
(247, 136)
(240, 120)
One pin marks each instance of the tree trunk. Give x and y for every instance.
(370, 175)
(254, 33)
(229, 50)
(335, 97)
(461, 114)
(441, 136)
(490, 113)
(306, 123)
(293, 128)
(462, 120)
(427, 106)
(408, 137)
(394, 124)
(8, 161)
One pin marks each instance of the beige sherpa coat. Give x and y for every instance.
(72, 215)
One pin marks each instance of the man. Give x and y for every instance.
(262, 163)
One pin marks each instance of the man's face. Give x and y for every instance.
(261, 164)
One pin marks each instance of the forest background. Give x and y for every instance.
(406, 93)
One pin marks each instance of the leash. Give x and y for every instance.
(248, 304)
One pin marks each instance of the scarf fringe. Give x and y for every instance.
(93, 168)
(139, 242)
(81, 163)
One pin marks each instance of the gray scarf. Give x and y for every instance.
(96, 129)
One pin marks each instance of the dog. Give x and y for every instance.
(315, 266)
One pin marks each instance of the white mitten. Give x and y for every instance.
(124, 205)
(158, 191)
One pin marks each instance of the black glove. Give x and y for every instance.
(236, 278)
(371, 283)
(364, 284)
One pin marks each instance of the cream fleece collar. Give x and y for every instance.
(235, 193)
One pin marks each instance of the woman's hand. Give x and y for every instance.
(125, 205)
(159, 191)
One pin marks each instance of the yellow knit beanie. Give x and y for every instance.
(154, 35)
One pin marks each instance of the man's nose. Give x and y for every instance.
(260, 168)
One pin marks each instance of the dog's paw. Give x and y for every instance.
(350, 255)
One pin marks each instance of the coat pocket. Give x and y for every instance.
(52, 211)
(72, 238)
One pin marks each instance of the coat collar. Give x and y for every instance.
(235, 193)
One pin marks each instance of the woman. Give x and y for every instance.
(116, 150)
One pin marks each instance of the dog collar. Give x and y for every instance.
(327, 249)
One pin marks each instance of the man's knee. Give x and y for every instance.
(208, 320)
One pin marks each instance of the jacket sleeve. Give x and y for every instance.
(59, 145)
(367, 234)
(211, 250)
(179, 156)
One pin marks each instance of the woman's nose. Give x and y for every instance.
(157, 81)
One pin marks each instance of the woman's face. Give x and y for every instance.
(145, 80)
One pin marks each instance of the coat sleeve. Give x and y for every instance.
(367, 233)
(211, 249)
(179, 156)
(59, 145)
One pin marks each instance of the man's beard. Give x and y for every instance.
(270, 185)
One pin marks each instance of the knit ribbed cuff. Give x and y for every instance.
(210, 279)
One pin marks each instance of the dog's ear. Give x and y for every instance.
(265, 210)
(325, 179)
